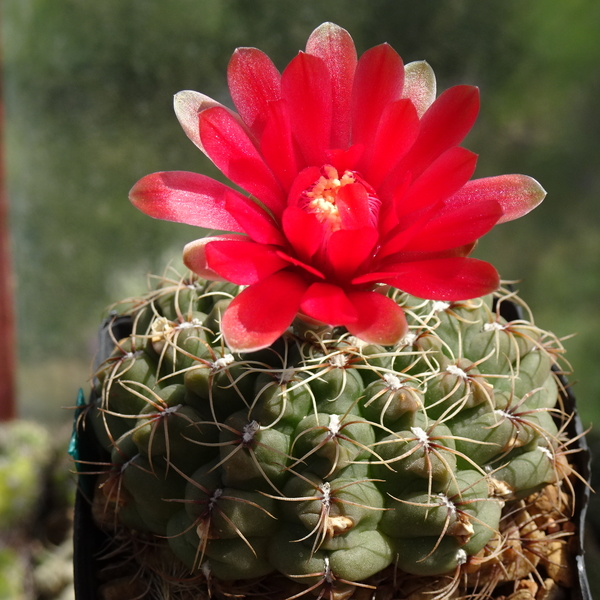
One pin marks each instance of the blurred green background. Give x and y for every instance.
(89, 90)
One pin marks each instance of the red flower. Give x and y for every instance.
(356, 178)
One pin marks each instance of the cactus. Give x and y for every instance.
(335, 464)
(331, 402)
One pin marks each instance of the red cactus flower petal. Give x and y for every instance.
(419, 85)
(303, 231)
(408, 227)
(262, 312)
(329, 304)
(452, 227)
(345, 160)
(414, 256)
(307, 89)
(277, 144)
(378, 82)
(444, 279)
(380, 319)
(348, 249)
(305, 179)
(254, 82)
(388, 221)
(417, 205)
(185, 198)
(394, 263)
(443, 178)
(188, 105)
(254, 220)
(310, 270)
(443, 126)
(229, 147)
(516, 194)
(335, 47)
(354, 207)
(397, 131)
(243, 262)
(194, 256)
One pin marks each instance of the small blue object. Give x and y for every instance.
(73, 444)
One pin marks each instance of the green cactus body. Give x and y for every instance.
(323, 460)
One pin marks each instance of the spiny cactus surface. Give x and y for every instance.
(321, 461)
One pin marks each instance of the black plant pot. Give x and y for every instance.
(90, 543)
(88, 540)
(581, 460)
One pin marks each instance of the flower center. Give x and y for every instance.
(321, 198)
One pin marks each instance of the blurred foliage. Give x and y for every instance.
(24, 453)
(12, 575)
(88, 104)
(36, 499)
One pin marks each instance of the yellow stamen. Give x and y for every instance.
(321, 198)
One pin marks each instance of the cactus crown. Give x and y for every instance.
(327, 464)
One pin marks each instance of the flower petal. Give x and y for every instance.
(419, 85)
(227, 144)
(401, 257)
(443, 126)
(328, 303)
(188, 105)
(335, 47)
(442, 179)
(254, 220)
(254, 81)
(262, 312)
(307, 89)
(394, 263)
(243, 262)
(407, 228)
(516, 194)
(348, 249)
(303, 231)
(352, 202)
(345, 159)
(445, 279)
(292, 260)
(194, 256)
(185, 197)
(456, 226)
(277, 144)
(380, 319)
(378, 82)
(305, 180)
(397, 131)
